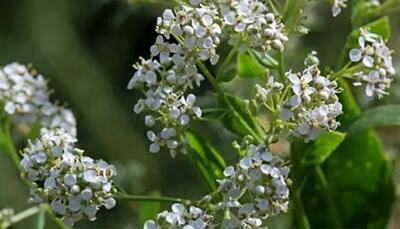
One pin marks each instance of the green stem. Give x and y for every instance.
(227, 60)
(301, 212)
(21, 216)
(40, 221)
(332, 210)
(268, 62)
(7, 143)
(255, 133)
(343, 70)
(274, 9)
(56, 220)
(219, 90)
(165, 199)
(303, 219)
(281, 69)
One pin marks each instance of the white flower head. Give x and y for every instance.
(181, 217)
(26, 99)
(264, 176)
(373, 54)
(314, 104)
(75, 186)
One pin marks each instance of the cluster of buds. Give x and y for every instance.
(251, 24)
(25, 97)
(256, 189)
(376, 61)
(74, 185)
(263, 94)
(314, 105)
(181, 217)
(187, 35)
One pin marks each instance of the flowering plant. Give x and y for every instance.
(312, 110)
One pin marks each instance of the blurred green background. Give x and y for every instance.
(86, 49)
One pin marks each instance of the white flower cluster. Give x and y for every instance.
(180, 217)
(376, 58)
(74, 185)
(26, 99)
(314, 105)
(165, 78)
(256, 189)
(251, 24)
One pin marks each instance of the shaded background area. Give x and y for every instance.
(86, 49)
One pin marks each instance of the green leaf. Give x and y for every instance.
(149, 210)
(381, 116)
(248, 66)
(231, 119)
(363, 11)
(206, 158)
(319, 150)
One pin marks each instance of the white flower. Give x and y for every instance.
(181, 217)
(252, 19)
(171, 71)
(314, 105)
(26, 99)
(376, 57)
(264, 176)
(58, 178)
(337, 7)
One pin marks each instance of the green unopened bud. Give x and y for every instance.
(253, 107)
(247, 140)
(271, 139)
(311, 59)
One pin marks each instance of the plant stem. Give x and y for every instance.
(255, 133)
(152, 199)
(268, 62)
(219, 90)
(41, 219)
(7, 143)
(343, 70)
(303, 219)
(21, 216)
(332, 210)
(281, 69)
(56, 220)
(227, 60)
